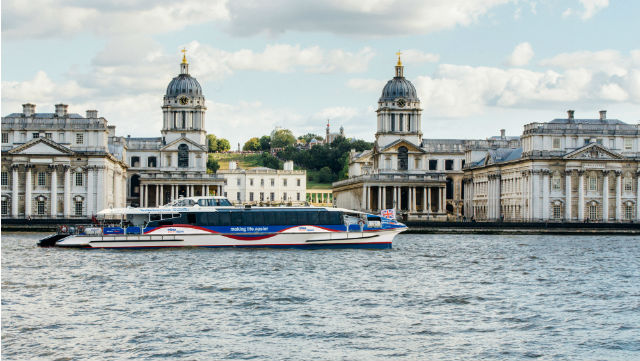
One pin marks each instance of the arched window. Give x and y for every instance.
(403, 158)
(183, 156)
(152, 162)
(135, 185)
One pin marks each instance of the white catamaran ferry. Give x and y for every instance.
(214, 222)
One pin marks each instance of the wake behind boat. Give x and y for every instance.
(213, 222)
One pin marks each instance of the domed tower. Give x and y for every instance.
(183, 108)
(399, 113)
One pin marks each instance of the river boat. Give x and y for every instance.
(214, 222)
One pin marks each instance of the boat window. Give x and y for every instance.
(236, 218)
(155, 217)
(167, 216)
(259, 218)
(212, 219)
(224, 203)
(224, 219)
(202, 202)
(270, 218)
(202, 219)
(248, 219)
(314, 218)
(191, 218)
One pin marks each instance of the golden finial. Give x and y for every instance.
(184, 55)
(399, 61)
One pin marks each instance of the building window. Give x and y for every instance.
(298, 196)
(393, 122)
(284, 196)
(593, 212)
(612, 143)
(298, 182)
(42, 179)
(556, 182)
(5, 207)
(35, 135)
(250, 181)
(556, 143)
(433, 164)
(627, 184)
(60, 137)
(448, 164)
(48, 135)
(79, 179)
(272, 196)
(593, 183)
(78, 208)
(250, 196)
(273, 182)
(628, 143)
(5, 178)
(261, 196)
(40, 208)
(284, 182)
(5, 137)
(262, 182)
(79, 138)
(237, 196)
(152, 162)
(557, 211)
(183, 156)
(628, 212)
(403, 158)
(135, 161)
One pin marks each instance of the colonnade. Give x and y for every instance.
(415, 200)
(173, 189)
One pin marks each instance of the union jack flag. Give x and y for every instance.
(388, 213)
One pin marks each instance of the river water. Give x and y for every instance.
(436, 297)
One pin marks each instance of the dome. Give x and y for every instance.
(184, 84)
(398, 87)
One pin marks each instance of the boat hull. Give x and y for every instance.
(379, 239)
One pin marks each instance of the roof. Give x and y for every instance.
(184, 84)
(47, 115)
(398, 87)
(587, 121)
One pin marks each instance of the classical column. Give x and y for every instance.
(16, 191)
(395, 198)
(379, 198)
(428, 199)
(618, 196)
(143, 188)
(161, 195)
(363, 203)
(27, 191)
(440, 193)
(202, 191)
(414, 192)
(384, 197)
(54, 191)
(537, 209)
(367, 203)
(67, 192)
(567, 194)
(638, 196)
(424, 199)
(157, 189)
(100, 190)
(581, 195)
(545, 194)
(90, 190)
(605, 196)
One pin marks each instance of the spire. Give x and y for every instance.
(184, 66)
(399, 67)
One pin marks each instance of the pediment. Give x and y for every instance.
(41, 146)
(593, 151)
(173, 146)
(394, 146)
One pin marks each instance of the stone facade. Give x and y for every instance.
(60, 165)
(265, 186)
(567, 170)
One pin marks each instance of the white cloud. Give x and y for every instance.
(521, 55)
(589, 9)
(415, 56)
(367, 85)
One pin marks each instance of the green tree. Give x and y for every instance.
(252, 145)
(212, 143)
(269, 161)
(223, 145)
(307, 137)
(212, 164)
(265, 142)
(325, 175)
(282, 138)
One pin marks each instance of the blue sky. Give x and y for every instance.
(478, 65)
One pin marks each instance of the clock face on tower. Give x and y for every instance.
(401, 103)
(183, 100)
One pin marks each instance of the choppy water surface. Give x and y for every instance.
(432, 297)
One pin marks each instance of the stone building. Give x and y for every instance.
(60, 165)
(566, 170)
(330, 137)
(419, 178)
(174, 164)
(265, 186)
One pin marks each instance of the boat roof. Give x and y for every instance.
(165, 209)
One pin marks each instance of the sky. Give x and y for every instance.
(478, 65)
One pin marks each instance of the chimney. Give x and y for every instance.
(92, 114)
(603, 114)
(61, 110)
(570, 114)
(502, 133)
(28, 109)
